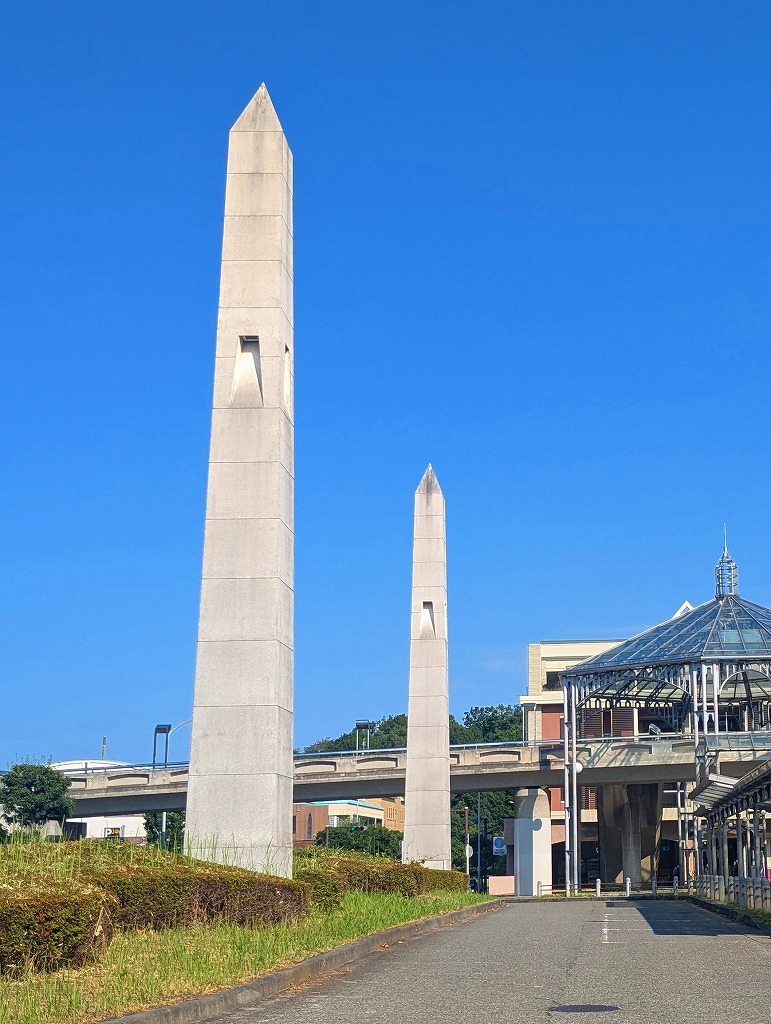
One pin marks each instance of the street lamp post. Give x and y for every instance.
(575, 818)
(566, 786)
(165, 731)
(363, 723)
(161, 730)
(572, 767)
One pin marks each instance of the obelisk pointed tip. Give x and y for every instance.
(429, 484)
(259, 115)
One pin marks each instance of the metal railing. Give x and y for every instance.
(118, 768)
(454, 746)
(749, 893)
(757, 742)
(303, 756)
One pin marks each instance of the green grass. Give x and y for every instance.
(145, 969)
(63, 862)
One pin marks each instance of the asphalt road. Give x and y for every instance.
(593, 962)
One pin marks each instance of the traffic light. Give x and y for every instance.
(358, 828)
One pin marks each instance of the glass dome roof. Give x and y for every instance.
(725, 628)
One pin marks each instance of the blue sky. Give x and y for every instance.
(532, 248)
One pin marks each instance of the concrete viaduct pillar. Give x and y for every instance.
(630, 831)
(528, 842)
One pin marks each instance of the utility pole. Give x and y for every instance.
(479, 840)
(485, 847)
(468, 844)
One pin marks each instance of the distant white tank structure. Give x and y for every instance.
(239, 805)
(427, 788)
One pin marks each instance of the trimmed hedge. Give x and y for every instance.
(181, 893)
(433, 880)
(376, 874)
(393, 878)
(327, 885)
(47, 926)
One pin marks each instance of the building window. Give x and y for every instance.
(553, 681)
(294, 824)
(309, 827)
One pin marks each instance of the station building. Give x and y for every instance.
(699, 676)
(308, 819)
(543, 721)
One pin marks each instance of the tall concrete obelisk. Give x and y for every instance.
(427, 788)
(239, 804)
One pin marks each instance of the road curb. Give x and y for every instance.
(203, 1008)
(732, 913)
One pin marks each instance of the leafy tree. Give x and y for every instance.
(389, 732)
(479, 725)
(495, 805)
(175, 829)
(493, 724)
(385, 733)
(372, 839)
(458, 835)
(458, 734)
(32, 794)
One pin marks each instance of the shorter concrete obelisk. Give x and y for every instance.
(427, 788)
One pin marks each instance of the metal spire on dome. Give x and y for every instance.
(726, 572)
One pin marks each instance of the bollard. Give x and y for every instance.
(598, 888)
(721, 888)
(629, 886)
(654, 887)
(539, 888)
(675, 888)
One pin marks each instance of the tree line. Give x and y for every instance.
(496, 724)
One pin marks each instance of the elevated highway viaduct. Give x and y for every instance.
(133, 789)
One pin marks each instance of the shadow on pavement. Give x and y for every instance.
(669, 917)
